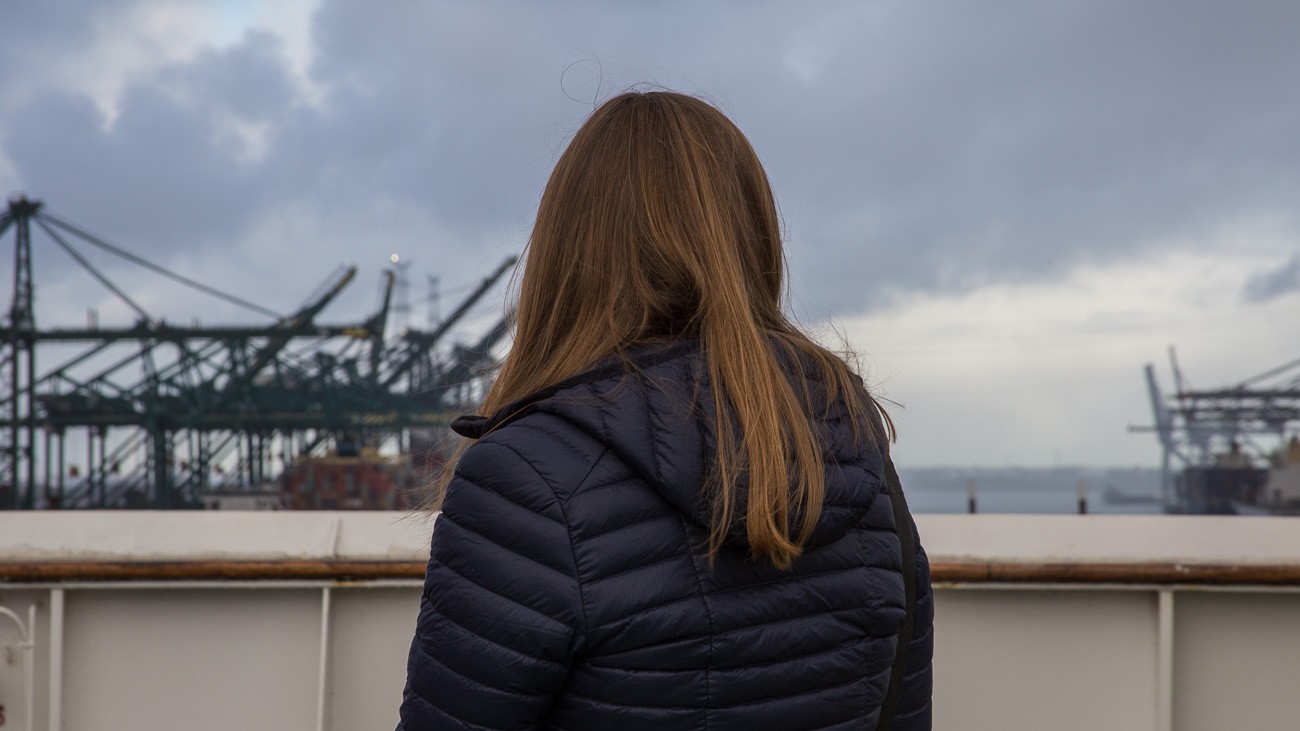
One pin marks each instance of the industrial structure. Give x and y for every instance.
(169, 415)
(1232, 449)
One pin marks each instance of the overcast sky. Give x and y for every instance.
(1007, 207)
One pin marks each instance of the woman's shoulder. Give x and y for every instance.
(536, 447)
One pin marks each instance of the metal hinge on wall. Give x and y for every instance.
(27, 648)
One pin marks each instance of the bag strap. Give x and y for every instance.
(904, 526)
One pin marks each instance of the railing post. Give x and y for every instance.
(55, 715)
(322, 681)
(1165, 660)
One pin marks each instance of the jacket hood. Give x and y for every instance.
(653, 407)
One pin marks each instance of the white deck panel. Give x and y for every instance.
(186, 535)
(148, 535)
(1188, 539)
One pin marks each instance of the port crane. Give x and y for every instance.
(1199, 427)
(166, 412)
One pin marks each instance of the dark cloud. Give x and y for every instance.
(36, 33)
(168, 171)
(913, 146)
(1269, 285)
(1022, 144)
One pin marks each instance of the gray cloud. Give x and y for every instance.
(164, 174)
(1269, 285)
(913, 146)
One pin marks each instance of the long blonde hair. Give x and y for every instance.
(658, 222)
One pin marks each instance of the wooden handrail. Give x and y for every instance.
(943, 572)
(206, 570)
(975, 572)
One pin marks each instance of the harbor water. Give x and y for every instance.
(1028, 490)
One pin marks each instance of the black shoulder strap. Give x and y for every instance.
(903, 524)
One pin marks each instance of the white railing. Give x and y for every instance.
(301, 620)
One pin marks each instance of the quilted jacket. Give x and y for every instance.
(567, 587)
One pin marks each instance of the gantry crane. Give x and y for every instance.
(1232, 435)
(161, 409)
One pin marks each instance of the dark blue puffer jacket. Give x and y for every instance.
(567, 587)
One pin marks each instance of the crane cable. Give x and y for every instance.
(93, 272)
(96, 241)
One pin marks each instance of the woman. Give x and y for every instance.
(673, 515)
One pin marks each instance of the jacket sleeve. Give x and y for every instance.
(914, 711)
(501, 616)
